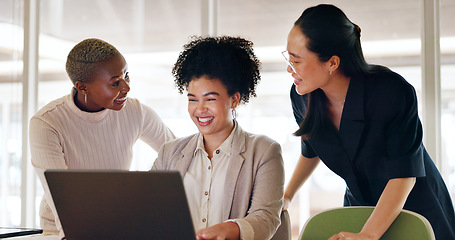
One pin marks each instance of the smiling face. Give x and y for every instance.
(209, 106)
(310, 73)
(108, 86)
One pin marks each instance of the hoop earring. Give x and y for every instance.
(85, 97)
(234, 113)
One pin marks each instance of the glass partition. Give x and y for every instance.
(447, 32)
(11, 47)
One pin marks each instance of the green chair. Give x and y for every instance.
(408, 225)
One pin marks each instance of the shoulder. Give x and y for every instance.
(178, 144)
(388, 81)
(259, 143)
(132, 105)
(259, 138)
(389, 92)
(52, 110)
(135, 107)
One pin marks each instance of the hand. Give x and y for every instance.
(286, 202)
(220, 231)
(351, 236)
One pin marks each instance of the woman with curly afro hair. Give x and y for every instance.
(233, 179)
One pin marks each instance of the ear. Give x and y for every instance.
(334, 63)
(235, 100)
(81, 87)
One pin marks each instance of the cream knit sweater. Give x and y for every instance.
(64, 137)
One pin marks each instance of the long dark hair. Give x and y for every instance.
(330, 33)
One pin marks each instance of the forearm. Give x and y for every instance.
(388, 207)
(303, 170)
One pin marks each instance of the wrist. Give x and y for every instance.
(288, 196)
(370, 235)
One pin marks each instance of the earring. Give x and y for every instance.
(234, 113)
(330, 72)
(85, 98)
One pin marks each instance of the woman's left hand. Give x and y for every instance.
(351, 236)
(221, 231)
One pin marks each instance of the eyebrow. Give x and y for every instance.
(117, 76)
(294, 55)
(205, 94)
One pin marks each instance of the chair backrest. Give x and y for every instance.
(284, 230)
(408, 225)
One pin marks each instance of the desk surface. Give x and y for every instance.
(35, 237)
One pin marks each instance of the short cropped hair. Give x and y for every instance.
(230, 59)
(83, 57)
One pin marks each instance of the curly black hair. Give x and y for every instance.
(230, 59)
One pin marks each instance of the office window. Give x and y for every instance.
(447, 32)
(11, 46)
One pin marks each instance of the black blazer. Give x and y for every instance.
(380, 138)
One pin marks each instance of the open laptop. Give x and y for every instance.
(121, 204)
(6, 232)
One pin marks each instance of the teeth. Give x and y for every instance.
(205, 119)
(121, 99)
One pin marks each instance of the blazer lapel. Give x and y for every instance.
(353, 119)
(186, 155)
(336, 159)
(235, 164)
(344, 143)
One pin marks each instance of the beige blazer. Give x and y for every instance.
(254, 182)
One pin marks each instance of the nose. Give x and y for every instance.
(289, 69)
(126, 86)
(201, 106)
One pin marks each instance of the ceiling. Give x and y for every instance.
(153, 31)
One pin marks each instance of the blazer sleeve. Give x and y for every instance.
(263, 217)
(404, 135)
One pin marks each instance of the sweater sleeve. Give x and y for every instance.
(154, 132)
(46, 153)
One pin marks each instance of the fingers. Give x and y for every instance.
(207, 233)
(338, 236)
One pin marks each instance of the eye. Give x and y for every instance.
(127, 76)
(211, 99)
(116, 83)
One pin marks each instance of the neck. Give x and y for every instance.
(213, 141)
(338, 89)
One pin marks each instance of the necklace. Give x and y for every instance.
(340, 102)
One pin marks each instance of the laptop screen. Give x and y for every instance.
(121, 204)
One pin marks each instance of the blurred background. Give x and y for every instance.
(151, 33)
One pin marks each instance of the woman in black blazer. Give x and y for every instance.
(362, 121)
